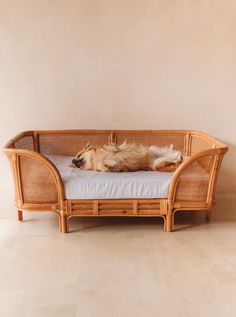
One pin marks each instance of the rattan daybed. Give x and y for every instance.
(39, 186)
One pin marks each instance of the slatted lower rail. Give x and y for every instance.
(117, 207)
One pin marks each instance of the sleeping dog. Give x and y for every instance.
(127, 158)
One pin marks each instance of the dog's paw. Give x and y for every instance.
(109, 163)
(168, 168)
(179, 159)
(71, 165)
(174, 157)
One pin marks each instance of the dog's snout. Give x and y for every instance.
(78, 162)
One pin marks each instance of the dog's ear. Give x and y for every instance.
(87, 145)
(77, 154)
(171, 147)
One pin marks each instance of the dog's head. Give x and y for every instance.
(83, 158)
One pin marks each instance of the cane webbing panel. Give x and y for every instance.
(153, 139)
(25, 143)
(199, 144)
(69, 144)
(194, 180)
(37, 182)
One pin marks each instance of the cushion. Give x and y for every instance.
(81, 184)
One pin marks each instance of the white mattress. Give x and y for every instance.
(81, 184)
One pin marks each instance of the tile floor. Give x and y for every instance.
(117, 267)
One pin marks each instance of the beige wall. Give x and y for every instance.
(120, 64)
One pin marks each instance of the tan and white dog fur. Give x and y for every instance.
(127, 158)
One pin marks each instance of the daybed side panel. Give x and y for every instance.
(194, 181)
(37, 182)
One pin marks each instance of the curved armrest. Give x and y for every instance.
(37, 180)
(193, 183)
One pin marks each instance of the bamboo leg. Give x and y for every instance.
(208, 215)
(164, 223)
(169, 221)
(19, 215)
(59, 222)
(64, 224)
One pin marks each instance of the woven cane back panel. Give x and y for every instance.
(153, 139)
(69, 144)
(194, 181)
(37, 182)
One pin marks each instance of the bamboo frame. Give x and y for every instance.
(190, 141)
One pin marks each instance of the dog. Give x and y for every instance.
(127, 158)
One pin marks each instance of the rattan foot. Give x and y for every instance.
(64, 224)
(208, 215)
(20, 215)
(169, 224)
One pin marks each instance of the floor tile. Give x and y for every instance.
(37, 303)
(38, 261)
